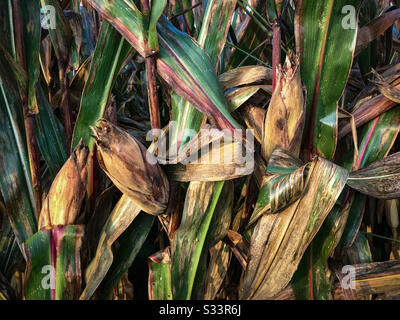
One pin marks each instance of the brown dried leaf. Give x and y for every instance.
(280, 240)
(244, 75)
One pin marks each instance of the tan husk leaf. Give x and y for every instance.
(211, 156)
(244, 75)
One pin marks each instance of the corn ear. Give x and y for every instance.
(132, 168)
(63, 202)
(285, 117)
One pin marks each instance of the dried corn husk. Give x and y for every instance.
(64, 200)
(284, 121)
(132, 168)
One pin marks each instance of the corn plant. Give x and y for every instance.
(220, 149)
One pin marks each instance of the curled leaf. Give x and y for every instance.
(280, 240)
(380, 179)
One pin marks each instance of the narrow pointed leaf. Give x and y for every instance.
(218, 229)
(214, 29)
(157, 7)
(216, 23)
(313, 279)
(192, 76)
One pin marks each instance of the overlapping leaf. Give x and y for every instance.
(15, 182)
(181, 62)
(121, 217)
(280, 240)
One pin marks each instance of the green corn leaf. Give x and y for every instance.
(111, 51)
(326, 52)
(189, 71)
(214, 29)
(15, 181)
(53, 269)
(185, 117)
(157, 7)
(213, 33)
(50, 135)
(160, 275)
(31, 23)
(217, 230)
(200, 205)
(181, 62)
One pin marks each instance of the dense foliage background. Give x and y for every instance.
(85, 214)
